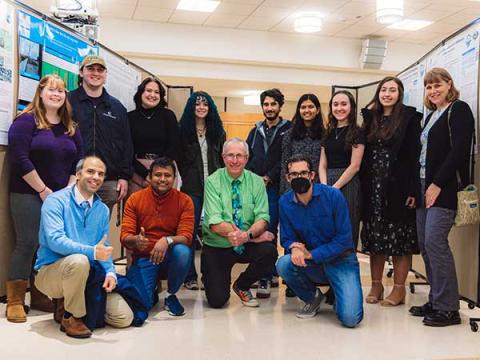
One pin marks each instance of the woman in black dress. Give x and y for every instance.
(388, 187)
(342, 152)
(202, 137)
(154, 130)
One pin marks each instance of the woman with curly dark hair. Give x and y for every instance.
(388, 187)
(154, 130)
(305, 135)
(342, 152)
(202, 137)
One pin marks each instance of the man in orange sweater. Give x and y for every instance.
(157, 227)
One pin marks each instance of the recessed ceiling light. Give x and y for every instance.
(198, 5)
(308, 23)
(410, 25)
(389, 11)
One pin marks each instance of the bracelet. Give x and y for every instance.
(39, 192)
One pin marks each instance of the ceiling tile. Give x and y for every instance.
(222, 20)
(148, 13)
(258, 23)
(188, 17)
(162, 4)
(235, 9)
(266, 11)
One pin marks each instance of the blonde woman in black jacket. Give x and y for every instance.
(446, 141)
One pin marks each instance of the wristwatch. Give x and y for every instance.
(169, 240)
(250, 235)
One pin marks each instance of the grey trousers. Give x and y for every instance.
(433, 227)
(108, 193)
(25, 211)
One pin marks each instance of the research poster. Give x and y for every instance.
(412, 80)
(45, 49)
(7, 96)
(122, 79)
(459, 56)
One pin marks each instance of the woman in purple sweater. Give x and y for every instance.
(44, 148)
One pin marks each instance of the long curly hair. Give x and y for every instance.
(299, 130)
(213, 122)
(353, 129)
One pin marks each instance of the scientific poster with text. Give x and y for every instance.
(45, 49)
(412, 80)
(460, 56)
(122, 79)
(7, 96)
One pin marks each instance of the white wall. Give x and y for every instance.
(194, 51)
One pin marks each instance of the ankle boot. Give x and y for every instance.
(15, 300)
(38, 300)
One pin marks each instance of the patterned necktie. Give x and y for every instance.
(237, 212)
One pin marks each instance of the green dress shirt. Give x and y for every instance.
(217, 203)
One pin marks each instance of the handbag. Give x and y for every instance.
(468, 212)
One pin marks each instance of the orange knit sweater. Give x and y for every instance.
(169, 215)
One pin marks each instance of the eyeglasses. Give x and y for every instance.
(234, 156)
(294, 175)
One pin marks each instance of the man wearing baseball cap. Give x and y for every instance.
(104, 127)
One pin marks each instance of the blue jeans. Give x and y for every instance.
(343, 274)
(198, 205)
(144, 274)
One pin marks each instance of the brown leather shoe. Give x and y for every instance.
(38, 300)
(59, 310)
(75, 328)
(15, 311)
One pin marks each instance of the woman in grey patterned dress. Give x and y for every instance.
(305, 136)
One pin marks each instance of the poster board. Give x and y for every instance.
(122, 79)
(44, 48)
(412, 80)
(7, 69)
(459, 55)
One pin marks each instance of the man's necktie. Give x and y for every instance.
(237, 212)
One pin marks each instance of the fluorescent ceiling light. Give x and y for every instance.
(389, 11)
(308, 23)
(410, 25)
(252, 99)
(198, 5)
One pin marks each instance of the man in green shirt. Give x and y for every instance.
(236, 217)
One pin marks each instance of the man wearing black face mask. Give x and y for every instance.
(315, 227)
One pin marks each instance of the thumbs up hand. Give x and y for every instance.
(141, 241)
(103, 252)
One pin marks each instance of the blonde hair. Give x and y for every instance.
(37, 108)
(434, 76)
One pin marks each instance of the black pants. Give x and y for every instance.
(217, 263)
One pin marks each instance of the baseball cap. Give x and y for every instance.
(92, 60)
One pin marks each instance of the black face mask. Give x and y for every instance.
(300, 185)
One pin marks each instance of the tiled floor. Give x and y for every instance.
(269, 332)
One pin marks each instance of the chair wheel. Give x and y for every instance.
(412, 288)
(390, 273)
(473, 326)
(471, 306)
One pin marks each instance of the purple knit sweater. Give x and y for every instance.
(49, 151)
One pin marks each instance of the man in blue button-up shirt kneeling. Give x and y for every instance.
(315, 228)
